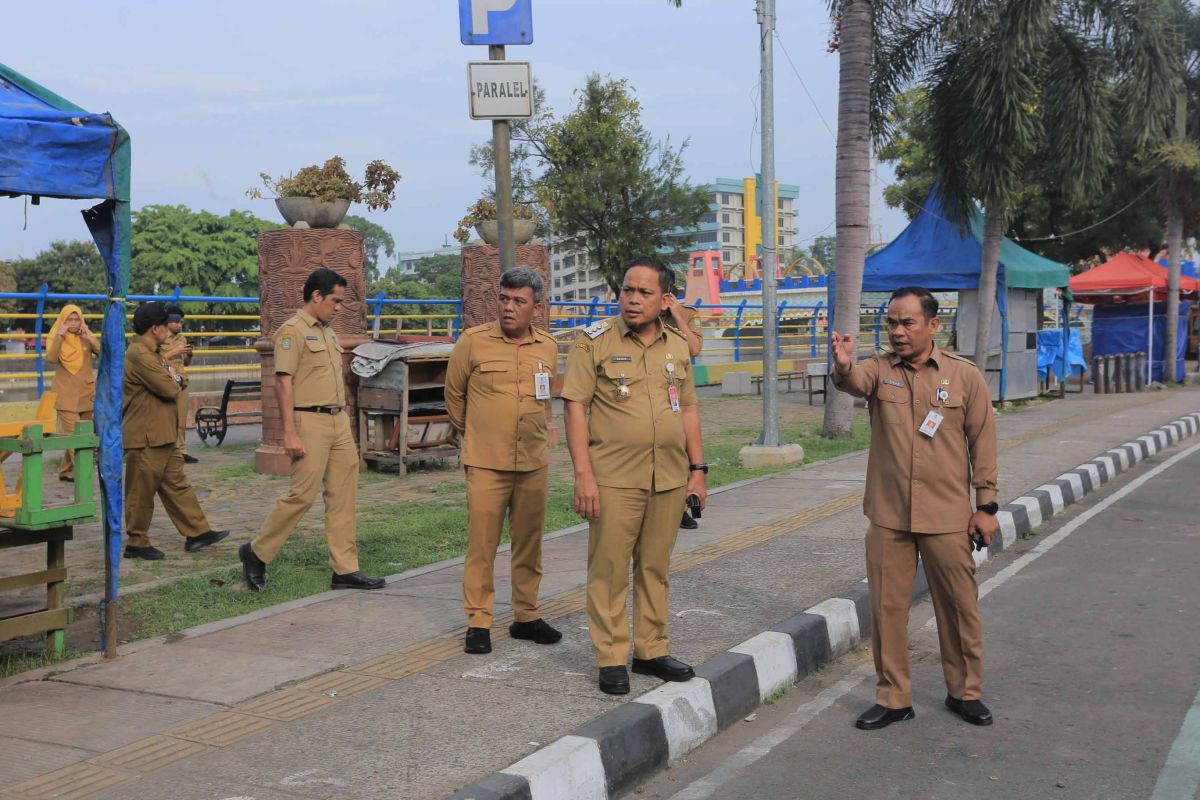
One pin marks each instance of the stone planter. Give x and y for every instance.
(310, 212)
(489, 231)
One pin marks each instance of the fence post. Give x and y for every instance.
(816, 313)
(778, 331)
(38, 327)
(592, 306)
(737, 331)
(879, 328)
(456, 323)
(375, 325)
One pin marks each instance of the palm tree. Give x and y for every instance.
(1011, 80)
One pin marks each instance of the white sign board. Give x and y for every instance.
(500, 89)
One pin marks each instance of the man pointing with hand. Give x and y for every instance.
(933, 439)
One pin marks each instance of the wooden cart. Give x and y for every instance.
(402, 410)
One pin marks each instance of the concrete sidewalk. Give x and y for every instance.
(360, 694)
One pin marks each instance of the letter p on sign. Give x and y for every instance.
(495, 21)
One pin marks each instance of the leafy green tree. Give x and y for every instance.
(824, 249)
(433, 278)
(202, 252)
(67, 268)
(375, 241)
(609, 187)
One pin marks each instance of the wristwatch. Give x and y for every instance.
(698, 468)
(989, 508)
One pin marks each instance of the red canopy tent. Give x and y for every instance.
(1126, 278)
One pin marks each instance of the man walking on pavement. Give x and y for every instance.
(497, 395)
(633, 429)
(316, 433)
(933, 439)
(178, 353)
(153, 461)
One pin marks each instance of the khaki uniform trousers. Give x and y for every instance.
(66, 424)
(950, 570)
(491, 495)
(159, 470)
(637, 524)
(181, 408)
(330, 460)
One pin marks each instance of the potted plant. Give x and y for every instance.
(319, 197)
(482, 217)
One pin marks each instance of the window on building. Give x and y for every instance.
(727, 256)
(568, 279)
(709, 219)
(705, 236)
(725, 237)
(724, 198)
(569, 262)
(725, 219)
(558, 263)
(557, 282)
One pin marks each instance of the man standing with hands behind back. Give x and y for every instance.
(497, 393)
(933, 439)
(633, 429)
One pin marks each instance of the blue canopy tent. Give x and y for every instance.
(936, 253)
(50, 147)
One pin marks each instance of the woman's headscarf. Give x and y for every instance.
(71, 356)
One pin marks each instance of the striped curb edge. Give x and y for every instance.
(615, 752)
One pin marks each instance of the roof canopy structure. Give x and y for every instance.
(50, 147)
(1126, 278)
(936, 253)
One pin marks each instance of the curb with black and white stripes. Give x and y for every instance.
(614, 753)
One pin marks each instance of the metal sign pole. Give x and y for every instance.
(504, 193)
(770, 230)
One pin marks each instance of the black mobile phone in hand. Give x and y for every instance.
(977, 540)
(693, 502)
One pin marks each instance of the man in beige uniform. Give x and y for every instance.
(178, 353)
(497, 394)
(933, 438)
(153, 463)
(636, 457)
(316, 433)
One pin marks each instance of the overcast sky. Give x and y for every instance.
(214, 93)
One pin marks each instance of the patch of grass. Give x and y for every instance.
(777, 695)
(723, 458)
(226, 471)
(13, 663)
(451, 487)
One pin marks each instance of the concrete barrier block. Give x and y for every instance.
(736, 383)
(733, 680)
(841, 620)
(570, 767)
(496, 786)
(632, 742)
(774, 661)
(810, 638)
(688, 714)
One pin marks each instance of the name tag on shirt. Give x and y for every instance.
(673, 396)
(933, 421)
(541, 385)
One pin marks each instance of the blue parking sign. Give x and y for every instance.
(495, 21)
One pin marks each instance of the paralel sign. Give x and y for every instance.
(500, 89)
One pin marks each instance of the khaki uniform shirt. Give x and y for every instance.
(75, 392)
(914, 482)
(491, 398)
(691, 314)
(636, 442)
(308, 350)
(148, 411)
(174, 340)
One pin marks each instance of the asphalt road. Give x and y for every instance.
(1092, 670)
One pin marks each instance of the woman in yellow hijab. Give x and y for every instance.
(71, 348)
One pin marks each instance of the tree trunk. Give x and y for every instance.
(993, 234)
(852, 188)
(1174, 245)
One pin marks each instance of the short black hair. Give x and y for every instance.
(666, 275)
(322, 280)
(175, 311)
(929, 303)
(147, 316)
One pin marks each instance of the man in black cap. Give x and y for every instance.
(153, 460)
(178, 353)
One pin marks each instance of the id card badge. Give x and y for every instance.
(541, 384)
(673, 395)
(933, 421)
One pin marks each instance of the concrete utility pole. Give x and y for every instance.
(770, 448)
(504, 192)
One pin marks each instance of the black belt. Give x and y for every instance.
(321, 409)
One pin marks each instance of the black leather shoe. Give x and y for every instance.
(67, 478)
(356, 580)
(614, 680)
(478, 641)
(535, 631)
(144, 553)
(687, 523)
(973, 711)
(188, 458)
(878, 716)
(253, 568)
(665, 668)
(203, 540)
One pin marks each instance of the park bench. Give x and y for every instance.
(213, 421)
(757, 380)
(812, 372)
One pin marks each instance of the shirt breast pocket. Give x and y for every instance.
(614, 376)
(951, 409)
(496, 376)
(894, 406)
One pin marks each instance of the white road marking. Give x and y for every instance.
(1180, 776)
(1181, 765)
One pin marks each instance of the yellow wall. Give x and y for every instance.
(753, 224)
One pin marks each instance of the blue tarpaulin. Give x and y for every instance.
(50, 147)
(1186, 268)
(1050, 353)
(1125, 328)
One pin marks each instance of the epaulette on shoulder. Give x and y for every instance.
(596, 328)
(671, 329)
(957, 357)
(477, 329)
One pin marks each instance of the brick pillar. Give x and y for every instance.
(480, 281)
(285, 260)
